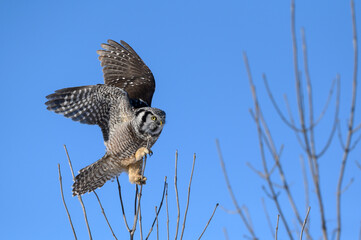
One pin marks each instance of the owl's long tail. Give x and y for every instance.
(95, 175)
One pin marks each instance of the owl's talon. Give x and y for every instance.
(141, 180)
(141, 152)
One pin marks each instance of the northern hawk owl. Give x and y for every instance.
(122, 109)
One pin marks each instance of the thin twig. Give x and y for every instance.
(225, 234)
(268, 218)
(176, 191)
(79, 197)
(279, 112)
(347, 186)
(210, 219)
(350, 124)
(335, 121)
(358, 165)
(340, 138)
(259, 173)
(166, 201)
(122, 205)
(137, 200)
(305, 181)
(293, 122)
(245, 209)
(140, 222)
(228, 210)
(156, 212)
(70, 164)
(165, 188)
(329, 97)
(304, 222)
(235, 203)
(136, 213)
(105, 216)
(276, 233)
(267, 138)
(188, 196)
(355, 143)
(66, 208)
(355, 129)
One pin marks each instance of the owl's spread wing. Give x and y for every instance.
(123, 68)
(91, 105)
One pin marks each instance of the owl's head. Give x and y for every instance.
(149, 121)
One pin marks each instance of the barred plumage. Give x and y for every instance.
(121, 108)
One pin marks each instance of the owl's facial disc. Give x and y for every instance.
(150, 120)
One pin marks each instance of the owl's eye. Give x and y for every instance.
(154, 118)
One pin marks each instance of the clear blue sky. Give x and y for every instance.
(194, 49)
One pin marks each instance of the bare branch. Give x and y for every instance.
(140, 219)
(276, 233)
(105, 216)
(165, 188)
(309, 140)
(240, 212)
(258, 115)
(156, 213)
(335, 121)
(350, 124)
(276, 157)
(304, 222)
(66, 208)
(137, 202)
(308, 81)
(226, 234)
(188, 196)
(79, 197)
(166, 201)
(267, 138)
(122, 205)
(210, 219)
(69, 161)
(176, 191)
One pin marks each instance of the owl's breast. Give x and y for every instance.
(124, 141)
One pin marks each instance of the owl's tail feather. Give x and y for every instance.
(95, 175)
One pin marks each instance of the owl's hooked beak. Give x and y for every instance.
(161, 123)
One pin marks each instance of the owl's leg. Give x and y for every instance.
(141, 152)
(135, 169)
(135, 173)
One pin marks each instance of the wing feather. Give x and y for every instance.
(123, 68)
(91, 105)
